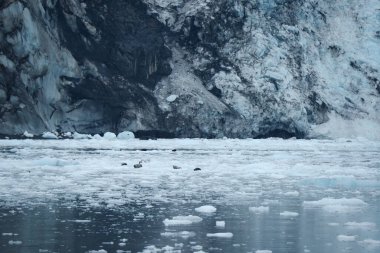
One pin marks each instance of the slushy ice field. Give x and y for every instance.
(257, 196)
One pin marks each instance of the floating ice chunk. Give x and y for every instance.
(182, 220)
(263, 251)
(197, 247)
(220, 224)
(81, 221)
(7, 234)
(122, 244)
(370, 244)
(107, 243)
(360, 225)
(206, 209)
(98, 251)
(67, 135)
(292, 194)
(126, 135)
(171, 98)
(123, 251)
(343, 205)
(259, 209)
(109, 136)
(333, 224)
(49, 135)
(289, 214)
(182, 234)
(11, 242)
(28, 135)
(97, 137)
(346, 238)
(78, 136)
(220, 235)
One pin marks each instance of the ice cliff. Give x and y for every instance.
(189, 68)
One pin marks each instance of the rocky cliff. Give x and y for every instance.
(194, 68)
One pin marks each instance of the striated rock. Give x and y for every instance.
(246, 68)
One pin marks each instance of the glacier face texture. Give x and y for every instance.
(194, 68)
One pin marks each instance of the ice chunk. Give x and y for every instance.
(98, 251)
(259, 209)
(263, 251)
(182, 220)
(220, 224)
(11, 242)
(360, 225)
(81, 221)
(49, 135)
(197, 247)
(343, 205)
(28, 135)
(346, 238)
(182, 234)
(7, 234)
(109, 136)
(206, 209)
(78, 136)
(370, 244)
(97, 137)
(220, 235)
(292, 194)
(126, 135)
(171, 98)
(289, 214)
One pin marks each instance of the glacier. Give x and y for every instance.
(226, 68)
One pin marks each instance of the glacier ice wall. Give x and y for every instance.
(195, 68)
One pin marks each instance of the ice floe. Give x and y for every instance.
(360, 225)
(346, 238)
(220, 224)
(259, 209)
(343, 205)
(182, 234)
(206, 209)
(289, 214)
(220, 235)
(182, 220)
(370, 244)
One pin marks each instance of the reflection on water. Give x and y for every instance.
(134, 228)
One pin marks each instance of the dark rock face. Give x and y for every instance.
(186, 68)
